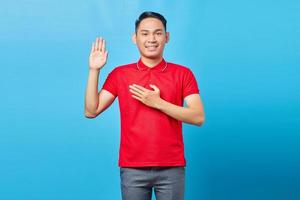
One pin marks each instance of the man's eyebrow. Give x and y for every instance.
(145, 30)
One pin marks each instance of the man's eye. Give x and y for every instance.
(159, 33)
(144, 34)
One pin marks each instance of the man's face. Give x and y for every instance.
(151, 38)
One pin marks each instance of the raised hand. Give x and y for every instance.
(98, 55)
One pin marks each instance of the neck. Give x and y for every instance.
(150, 62)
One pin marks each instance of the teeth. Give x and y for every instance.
(151, 45)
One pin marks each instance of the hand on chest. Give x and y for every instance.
(170, 88)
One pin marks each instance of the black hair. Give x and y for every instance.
(149, 14)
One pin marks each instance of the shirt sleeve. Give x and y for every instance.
(190, 85)
(111, 83)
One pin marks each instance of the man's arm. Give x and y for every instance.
(192, 114)
(95, 102)
(105, 99)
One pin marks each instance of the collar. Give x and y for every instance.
(159, 67)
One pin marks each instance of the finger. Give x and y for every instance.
(93, 47)
(156, 89)
(97, 44)
(136, 90)
(137, 98)
(100, 44)
(140, 87)
(103, 46)
(135, 93)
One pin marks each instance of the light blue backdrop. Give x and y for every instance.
(245, 55)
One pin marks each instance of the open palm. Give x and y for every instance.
(98, 55)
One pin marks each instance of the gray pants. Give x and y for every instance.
(137, 183)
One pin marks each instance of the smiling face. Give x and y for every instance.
(151, 38)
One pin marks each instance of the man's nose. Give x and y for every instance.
(152, 38)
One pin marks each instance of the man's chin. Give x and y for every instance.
(152, 56)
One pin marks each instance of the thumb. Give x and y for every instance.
(154, 88)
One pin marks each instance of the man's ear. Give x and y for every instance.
(167, 37)
(134, 38)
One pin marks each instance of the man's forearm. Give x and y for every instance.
(91, 97)
(187, 115)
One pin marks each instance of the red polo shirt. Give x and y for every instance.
(149, 137)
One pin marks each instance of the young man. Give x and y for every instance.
(151, 94)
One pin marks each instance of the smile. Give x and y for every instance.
(152, 47)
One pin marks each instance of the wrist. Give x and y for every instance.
(94, 70)
(160, 104)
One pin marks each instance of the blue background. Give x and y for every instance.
(244, 54)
